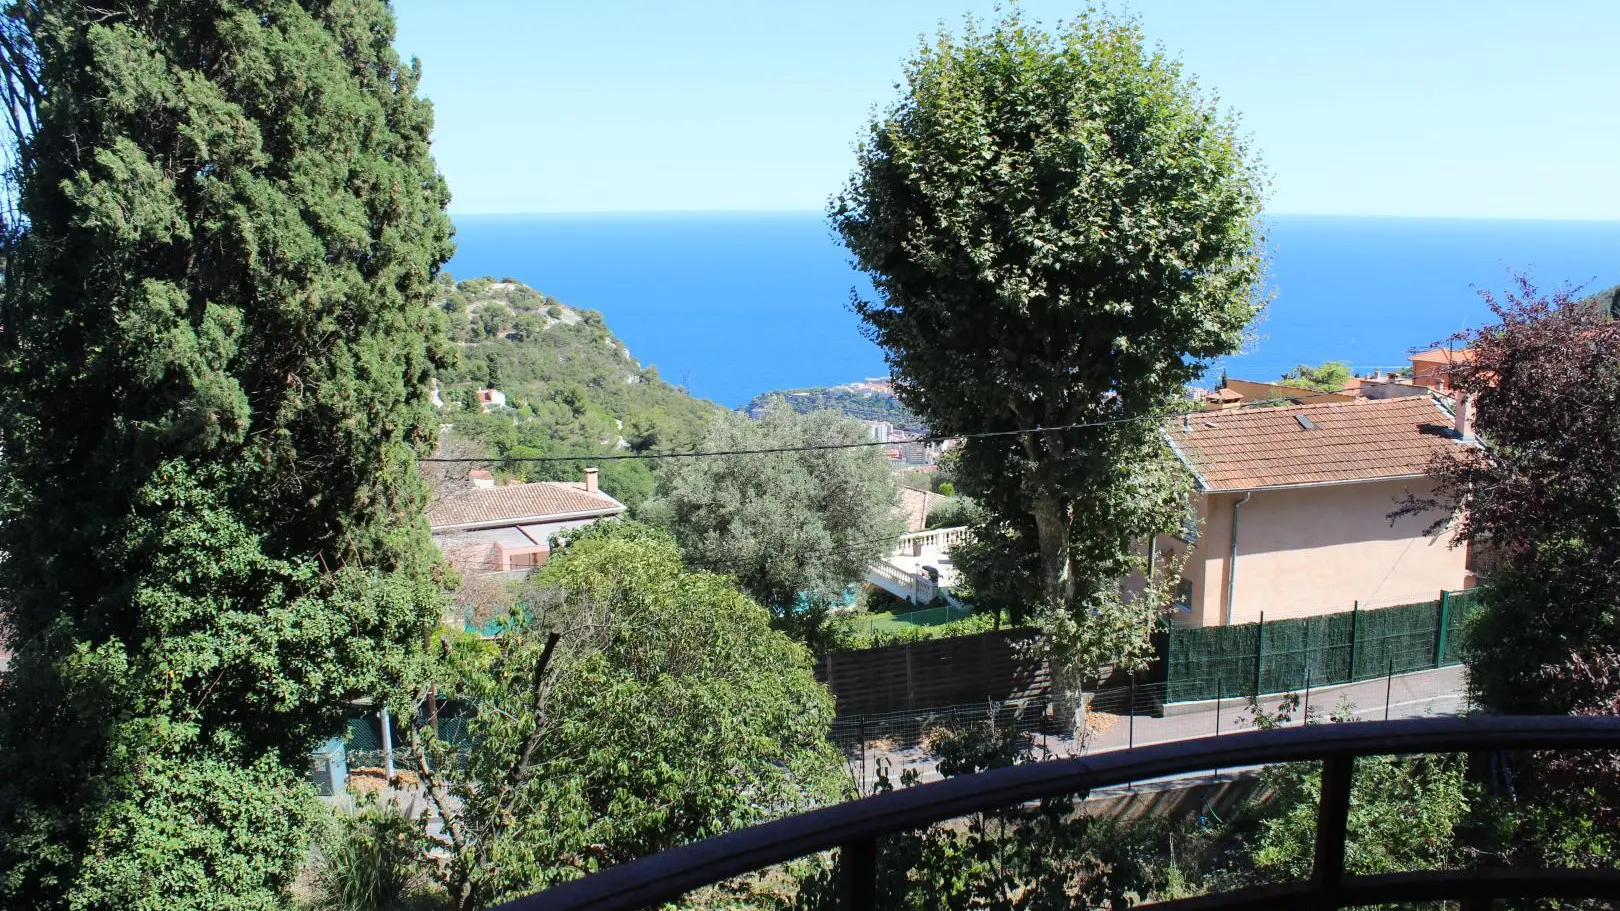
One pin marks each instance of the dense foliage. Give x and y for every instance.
(1405, 811)
(572, 388)
(861, 405)
(1540, 493)
(370, 860)
(1061, 232)
(216, 350)
(1540, 501)
(795, 529)
(665, 710)
(1329, 376)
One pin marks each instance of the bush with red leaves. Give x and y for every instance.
(1543, 489)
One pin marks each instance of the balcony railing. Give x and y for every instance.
(855, 827)
(934, 539)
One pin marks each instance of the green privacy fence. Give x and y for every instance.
(365, 731)
(1281, 655)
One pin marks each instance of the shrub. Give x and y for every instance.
(370, 861)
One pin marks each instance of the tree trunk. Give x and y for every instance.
(1052, 523)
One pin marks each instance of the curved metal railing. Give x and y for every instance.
(855, 827)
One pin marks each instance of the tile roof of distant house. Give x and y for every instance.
(518, 504)
(914, 506)
(1306, 445)
(1446, 355)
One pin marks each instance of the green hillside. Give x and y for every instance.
(865, 406)
(572, 388)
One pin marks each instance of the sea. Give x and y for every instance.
(730, 305)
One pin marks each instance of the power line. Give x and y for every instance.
(850, 548)
(865, 444)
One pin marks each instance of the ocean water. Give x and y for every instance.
(736, 304)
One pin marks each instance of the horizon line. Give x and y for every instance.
(675, 213)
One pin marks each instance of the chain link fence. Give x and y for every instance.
(1119, 718)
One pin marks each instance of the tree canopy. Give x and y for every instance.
(1330, 376)
(793, 528)
(1061, 231)
(667, 710)
(216, 347)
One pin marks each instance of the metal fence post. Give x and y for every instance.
(1259, 652)
(1445, 624)
(1130, 742)
(860, 731)
(1305, 714)
(1355, 624)
(1389, 684)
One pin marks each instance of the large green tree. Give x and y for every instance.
(1061, 229)
(216, 348)
(794, 528)
(632, 706)
(1329, 376)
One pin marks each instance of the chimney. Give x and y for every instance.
(590, 480)
(1464, 412)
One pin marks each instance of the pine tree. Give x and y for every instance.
(216, 351)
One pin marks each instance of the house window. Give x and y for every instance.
(1190, 526)
(1183, 599)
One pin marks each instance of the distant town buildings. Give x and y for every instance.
(1430, 373)
(872, 385)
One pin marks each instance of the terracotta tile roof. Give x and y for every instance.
(487, 506)
(1245, 448)
(1446, 355)
(914, 507)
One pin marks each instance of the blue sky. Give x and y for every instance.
(1417, 108)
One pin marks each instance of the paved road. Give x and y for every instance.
(1438, 692)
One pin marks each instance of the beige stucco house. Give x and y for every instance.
(1295, 504)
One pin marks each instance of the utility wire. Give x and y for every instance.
(850, 548)
(865, 444)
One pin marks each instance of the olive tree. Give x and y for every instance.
(795, 528)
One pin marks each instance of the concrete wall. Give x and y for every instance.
(1317, 550)
(1391, 390)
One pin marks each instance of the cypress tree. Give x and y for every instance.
(215, 350)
